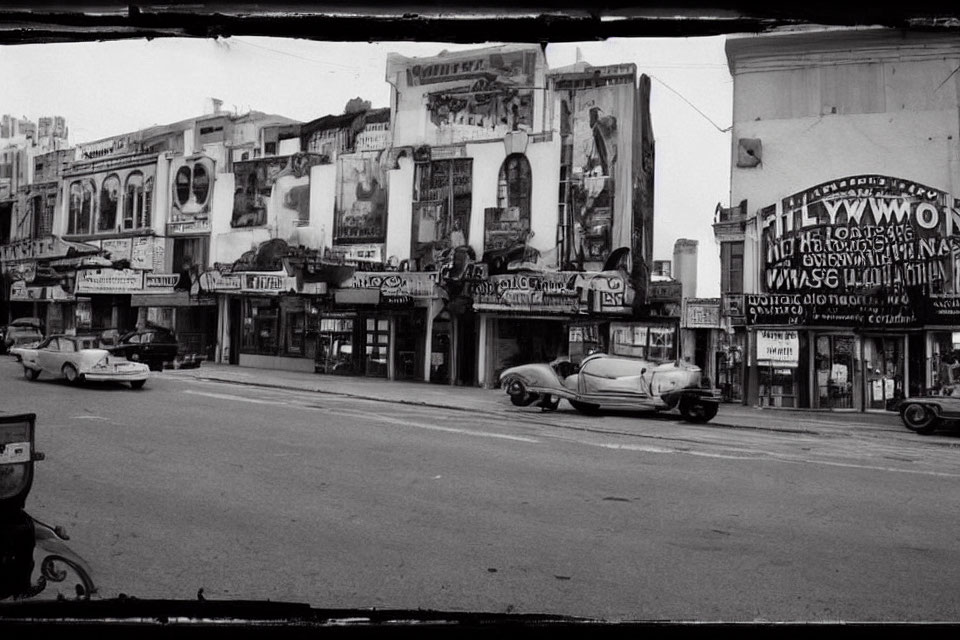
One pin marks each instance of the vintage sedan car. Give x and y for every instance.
(613, 382)
(79, 359)
(924, 414)
(21, 332)
(154, 346)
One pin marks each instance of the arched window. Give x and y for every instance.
(82, 198)
(514, 185)
(181, 186)
(109, 202)
(133, 200)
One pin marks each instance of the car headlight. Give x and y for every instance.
(103, 363)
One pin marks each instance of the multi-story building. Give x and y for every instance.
(494, 213)
(844, 245)
(116, 232)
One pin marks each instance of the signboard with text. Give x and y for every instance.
(778, 348)
(109, 281)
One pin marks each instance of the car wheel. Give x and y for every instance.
(585, 407)
(698, 411)
(919, 418)
(31, 374)
(137, 384)
(71, 374)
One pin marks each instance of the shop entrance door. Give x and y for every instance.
(833, 364)
(883, 370)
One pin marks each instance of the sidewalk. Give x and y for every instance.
(496, 402)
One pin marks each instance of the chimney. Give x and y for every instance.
(685, 266)
(214, 106)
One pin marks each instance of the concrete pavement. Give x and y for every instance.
(494, 401)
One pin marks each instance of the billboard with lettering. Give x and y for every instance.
(861, 250)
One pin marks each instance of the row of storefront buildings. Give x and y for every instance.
(500, 212)
(496, 212)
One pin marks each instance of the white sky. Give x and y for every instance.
(108, 88)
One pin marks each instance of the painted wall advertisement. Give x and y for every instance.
(778, 348)
(255, 180)
(862, 250)
(493, 92)
(361, 213)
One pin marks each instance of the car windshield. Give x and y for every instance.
(623, 313)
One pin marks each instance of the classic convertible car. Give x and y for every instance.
(79, 359)
(614, 382)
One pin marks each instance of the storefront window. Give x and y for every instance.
(584, 339)
(778, 387)
(636, 340)
(260, 326)
(945, 363)
(834, 365)
(335, 349)
(293, 325)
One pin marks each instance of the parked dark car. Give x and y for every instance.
(20, 332)
(153, 346)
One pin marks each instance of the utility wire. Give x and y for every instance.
(293, 55)
(693, 106)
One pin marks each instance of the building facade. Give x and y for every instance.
(840, 276)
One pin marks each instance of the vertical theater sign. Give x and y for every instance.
(861, 251)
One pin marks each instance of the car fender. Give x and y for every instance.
(537, 378)
(933, 405)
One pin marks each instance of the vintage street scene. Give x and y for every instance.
(645, 329)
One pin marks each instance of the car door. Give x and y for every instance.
(49, 356)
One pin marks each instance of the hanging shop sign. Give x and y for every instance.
(43, 248)
(110, 281)
(20, 292)
(542, 292)
(664, 291)
(358, 253)
(700, 313)
(267, 282)
(214, 280)
(778, 348)
(397, 287)
(607, 292)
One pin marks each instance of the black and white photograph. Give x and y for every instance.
(436, 318)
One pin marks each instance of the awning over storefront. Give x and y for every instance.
(176, 299)
(357, 296)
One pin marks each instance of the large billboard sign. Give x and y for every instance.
(866, 249)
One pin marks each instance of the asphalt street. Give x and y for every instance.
(267, 493)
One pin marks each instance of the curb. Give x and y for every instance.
(459, 408)
(436, 405)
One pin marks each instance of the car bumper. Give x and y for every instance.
(116, 376)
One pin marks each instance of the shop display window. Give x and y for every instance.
(652, 342)
(778, 387)
(945, 363)
(335, 346)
